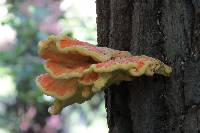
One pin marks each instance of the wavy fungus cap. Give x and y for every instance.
(77, 70)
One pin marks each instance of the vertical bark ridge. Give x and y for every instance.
(147, 93)
(192, 72)
(103, 22)
(120, 24)
(146, 26)
(119, 38)
(196, 30)
(103, 31)
(178, 30)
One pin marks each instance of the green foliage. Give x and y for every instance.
(19, 65)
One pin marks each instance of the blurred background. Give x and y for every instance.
(23, 108)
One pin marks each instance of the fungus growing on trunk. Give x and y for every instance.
(77, 70)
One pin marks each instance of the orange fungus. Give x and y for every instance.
(76, 70)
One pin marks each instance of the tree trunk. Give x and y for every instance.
(170, 31)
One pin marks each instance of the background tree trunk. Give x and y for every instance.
(170, 31)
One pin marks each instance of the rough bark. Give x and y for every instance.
(170, 31)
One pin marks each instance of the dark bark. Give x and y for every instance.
(170, 31)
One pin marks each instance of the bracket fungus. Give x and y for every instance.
(77, 70)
